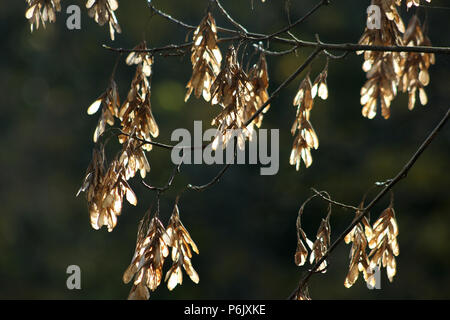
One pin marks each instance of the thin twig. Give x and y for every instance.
(342, 205)
(162, 189)
(401, 175)
(292, 25)
(212, 182)
(229, 18)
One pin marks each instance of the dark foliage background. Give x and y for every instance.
(245, 225)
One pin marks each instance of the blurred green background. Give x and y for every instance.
(245, 225)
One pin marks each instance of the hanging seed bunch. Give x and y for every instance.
(383, 243)
(306, 138)
(102, 11)
(359, 261)
(389, 71)
(234, 92)
(109, 102)
(106, 190)
(152, 248)
(383, 69)
(416, 65)
(41, 11)
(303, 243)
(259, 78)
(205, 59)
(136, 112)
(381, 239)
(180, 241)
(148, 259)
(319, 247)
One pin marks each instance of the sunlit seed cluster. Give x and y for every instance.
(387, 72)
(103, 12)
(41, 11)
(152, 248)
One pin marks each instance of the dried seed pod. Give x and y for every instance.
(140, 57)
(415, 67)
(383, 243)
(180, 241)
(103, 12)
(320, 246)
(359, 261)
(136, 112)
(235, 93)
(148, 259)
(320, 85)
(109, 103)
(205, 58)
(108, 200)
(383, 69)
(303, 243)
(306, 137)
(259, 77)
(41, 11)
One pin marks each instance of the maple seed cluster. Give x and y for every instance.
(240, 95)
(205, 59)
(386, 71)
(101, 10)
(381, 238)
(152, 248)
(41, 11)
(415, 76)
(318, 248)
(306, 138)
(105, 189)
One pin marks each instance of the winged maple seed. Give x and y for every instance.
(148, 259)
(303, 242)
(180, 240)
(103, 12)
(383, 69)
(319, 87)
(359, 262)
(205, 58)
(306, 137)
(136, 112)
(416, 76)
(320, 246)
(41, 11)
(383, 242)
(109, 101)
(234, 91)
